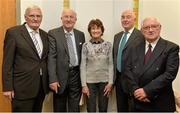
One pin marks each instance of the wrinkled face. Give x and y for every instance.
(128, 20)
(33, 18)
(68, 19)
(151, 29)
(96, 32)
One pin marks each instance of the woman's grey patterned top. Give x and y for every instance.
(96, 63)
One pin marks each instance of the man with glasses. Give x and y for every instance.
(151, 69)
(25, 79)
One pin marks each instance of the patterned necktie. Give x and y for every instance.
(120, 50)
(36, 43)
(148, 54)
(70, 49)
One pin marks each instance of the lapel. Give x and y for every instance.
(43, 38)
(117, 41)
(155, 54)
(140, 50)
(131, 38)
(61, 35)
(27, 37)
(77, 42)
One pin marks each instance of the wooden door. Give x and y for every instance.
(7, 19)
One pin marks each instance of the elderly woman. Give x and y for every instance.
(96, 68)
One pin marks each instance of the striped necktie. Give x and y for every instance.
(35, 41)
(71, 49)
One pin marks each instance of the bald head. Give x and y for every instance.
(129, 12)
(68, 11)
(128, 19)
(68, 19)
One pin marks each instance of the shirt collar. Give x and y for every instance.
(30, 30)
(153, 44)
(97, 41)
(65, 31)
(130, 31)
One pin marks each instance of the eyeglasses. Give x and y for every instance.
(153, 27)
(35, 16)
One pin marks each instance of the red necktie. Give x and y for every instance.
(148, 54)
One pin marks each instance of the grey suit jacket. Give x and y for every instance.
(58, 58)
(156, 76)
(21, 63)
(134, 38)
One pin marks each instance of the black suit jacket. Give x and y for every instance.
(21, 63)
(156, 76)
(58, 58)
(134, 38)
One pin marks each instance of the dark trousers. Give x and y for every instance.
(122, 98)
(97, 89)
(29, 105)
(68, 101)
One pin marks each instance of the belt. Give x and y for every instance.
(74, 68)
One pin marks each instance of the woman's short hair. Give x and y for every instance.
(96, 22)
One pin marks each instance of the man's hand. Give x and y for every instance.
(140, 95)
(9, 94)
(54, 86)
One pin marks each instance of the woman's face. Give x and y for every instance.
(96, 32)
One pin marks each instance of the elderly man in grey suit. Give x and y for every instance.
(122, 42)
(65, 44)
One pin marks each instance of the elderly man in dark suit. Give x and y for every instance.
(151, 69)
(25, 79)
(65, 44)
(122, 42)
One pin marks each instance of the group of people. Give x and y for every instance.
(140, 64)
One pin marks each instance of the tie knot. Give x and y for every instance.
(126, 32)
(150, 46)
(68, 34)
(34, 32)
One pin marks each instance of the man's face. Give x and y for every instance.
(34, 18)
(128, 20)
(151, 29)
(68, 19)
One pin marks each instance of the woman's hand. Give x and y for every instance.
(107, 89)
(85, 90)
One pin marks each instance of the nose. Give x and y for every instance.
(150, 29)
(35, 18)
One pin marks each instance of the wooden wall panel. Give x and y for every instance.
(7, 19)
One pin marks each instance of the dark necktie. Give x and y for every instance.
(71, 49)
(120, 50)
(148, 54)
